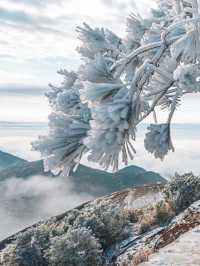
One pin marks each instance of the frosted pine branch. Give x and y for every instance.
(96, 111)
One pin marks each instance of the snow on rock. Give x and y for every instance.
(185, 251)
(161, 238)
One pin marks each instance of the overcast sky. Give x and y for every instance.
(38, 37)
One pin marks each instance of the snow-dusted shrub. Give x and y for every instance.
(27, 250)
(66, 222)
(41, 236)
(71, 217)
(182, 191)
(8, 256)
(96, 111)
(108, 223)
(78, 247)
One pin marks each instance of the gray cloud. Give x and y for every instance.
(37, 3)
(120, 5)
(33, 28)
(4, 42)
(108, 3)
(22, 90)
(26, 21)
(38, 60)
(22, 17)
(24, 202)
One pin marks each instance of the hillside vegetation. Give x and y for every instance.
(111, 230)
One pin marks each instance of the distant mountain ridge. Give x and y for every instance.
(85, 179)
(7, 160)
(23, 169)
(98, 182)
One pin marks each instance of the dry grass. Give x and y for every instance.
(141, 256)
(131, 215)
(157, 215)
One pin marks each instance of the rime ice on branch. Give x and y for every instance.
(121, 82)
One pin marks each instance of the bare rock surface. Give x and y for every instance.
(167, 245)
(185, 251)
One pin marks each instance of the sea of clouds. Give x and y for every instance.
(24, 202)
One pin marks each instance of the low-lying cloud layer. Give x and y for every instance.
(24, 202)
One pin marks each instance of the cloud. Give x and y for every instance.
(22, 90)
(23, 108)
(21, 72)
(16, 138)
(24, 202)
(38, 37)
(40, 3)
(21, 17)
(26, 21)
(120, 5)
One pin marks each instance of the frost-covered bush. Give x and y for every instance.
(66, 222)
(27, 250)
(78, 247)
(7, 256)
(108, 223)
(96, 111)
(182, 191)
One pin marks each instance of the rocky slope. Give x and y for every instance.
(184, 251)
(144, 226)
